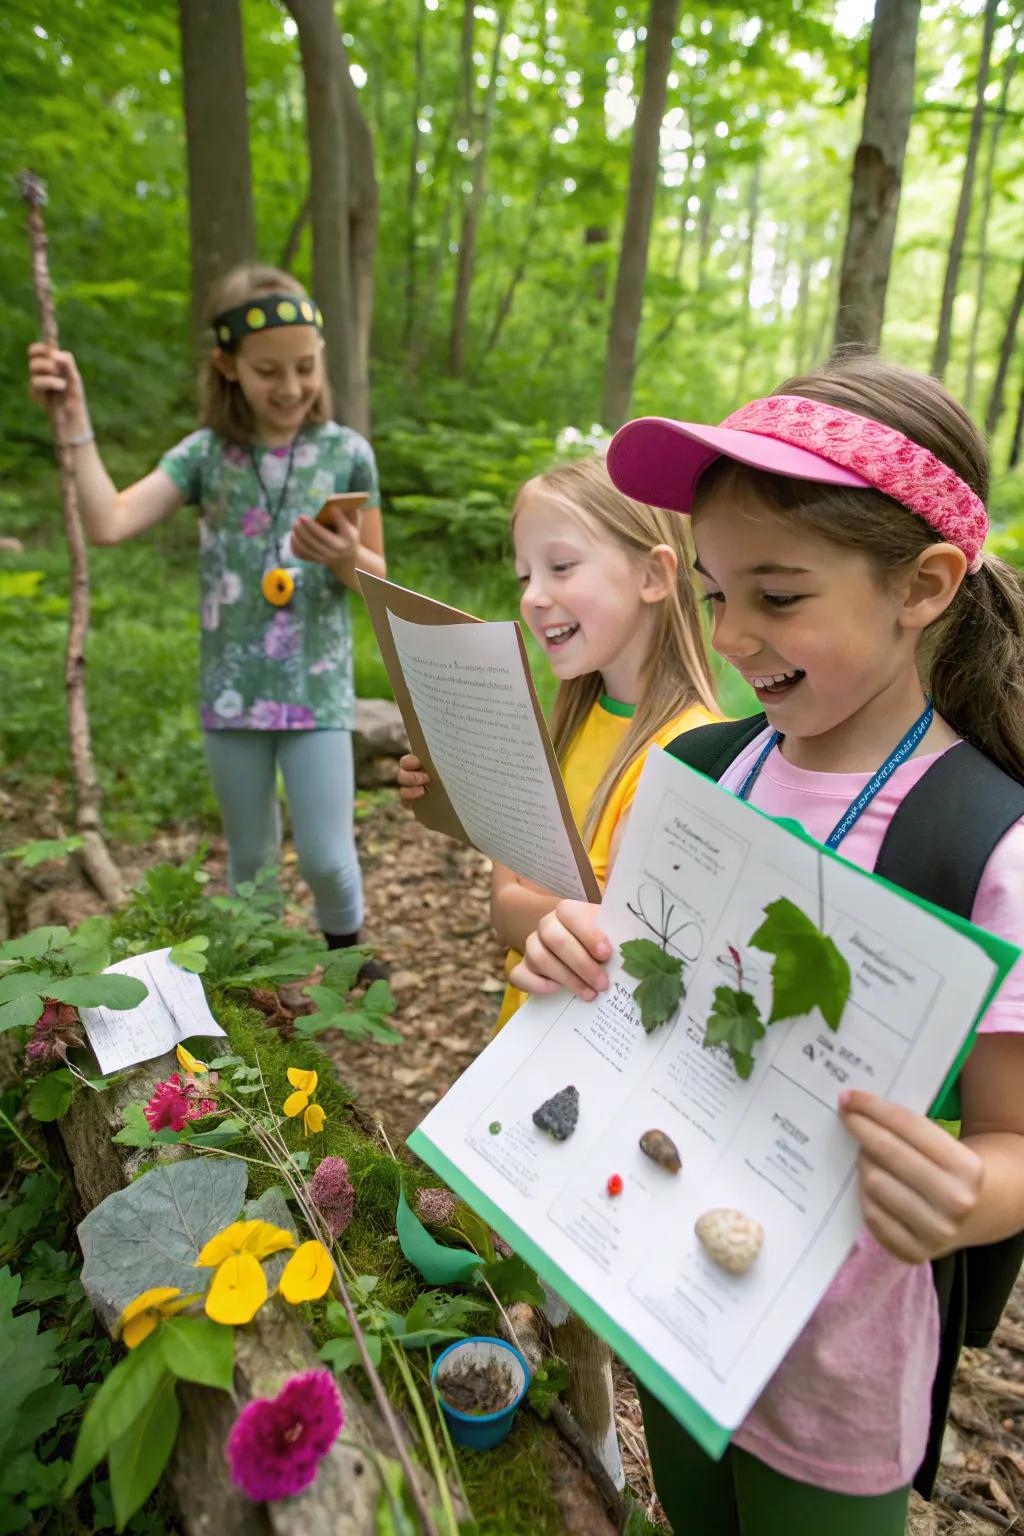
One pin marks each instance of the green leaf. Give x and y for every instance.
(808, 972)
(395, 1514)
(106, 991)
(27, 1358)
(21, 1011)
(661, 980)
(230, 1130)
(437, 1264)
(736, 1024)
(327, 1001)
(190, 954)
(121, 1400)
(21, 983)
(137, 1460)
(547, 1385)
(43, 849)
(513, 1280)
(198, 1349)
(33, 945)
(339, 1354)
(50, 1096)
(378, 998)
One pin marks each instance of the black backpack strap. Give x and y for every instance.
(937, 845)
(711, 749)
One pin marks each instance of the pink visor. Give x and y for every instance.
(660, 461)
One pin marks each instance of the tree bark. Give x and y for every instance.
(413, 188)
(471, 214)
(96, 859)
(940, 357)
(995, 402)
(1009, 68)
(877, 174)
(1018, 431)
(291, 246)
(343, 190)
(620, 359)
(222, 226)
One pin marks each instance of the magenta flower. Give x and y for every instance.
(267, 715)
(299, 717)
(255, 521)
(276, 1444)
(331, 1192)
(172, 1104)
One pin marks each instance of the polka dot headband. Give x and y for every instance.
(264, 314)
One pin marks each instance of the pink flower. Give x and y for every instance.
(255, 521)
(299, 717)
(331, 1192)
(267, 715)
(54, 1032)
(172, 1104)
(282, 638)
(276, 1444)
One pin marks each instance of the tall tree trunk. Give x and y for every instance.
(940, 357)
(343, 189)
(1018, 430)
(620, 359)
(593, 132)
(1009, 68)
(471, 213)
(412, 193)
(222, 227)
(995, 402)
(877, 174)
(290, 249)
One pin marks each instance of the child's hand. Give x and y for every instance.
(412, 780)
(568, 949)
(918, 1184)
(324, 546)
(53, 376)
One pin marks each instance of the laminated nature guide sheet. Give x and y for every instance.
(695, 872)
(473, 719)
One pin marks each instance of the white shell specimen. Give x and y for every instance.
(732, 1239)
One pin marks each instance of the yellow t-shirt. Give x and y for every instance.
(590, 752)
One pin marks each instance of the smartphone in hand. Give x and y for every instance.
(345, 506)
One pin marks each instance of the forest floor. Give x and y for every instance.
(427, 906)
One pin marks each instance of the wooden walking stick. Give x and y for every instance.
(99, 865)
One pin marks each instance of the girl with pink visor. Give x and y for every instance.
(839, 526)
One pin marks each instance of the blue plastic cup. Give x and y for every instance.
(481, 1431)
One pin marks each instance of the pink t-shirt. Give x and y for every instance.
(848, 1409)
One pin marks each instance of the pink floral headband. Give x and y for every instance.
(660, 461)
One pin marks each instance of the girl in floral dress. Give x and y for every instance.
(276, 687)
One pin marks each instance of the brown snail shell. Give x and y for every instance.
(661, 1149)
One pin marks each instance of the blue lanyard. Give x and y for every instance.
(845, 823)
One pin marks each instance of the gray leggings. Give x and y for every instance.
(319, 783)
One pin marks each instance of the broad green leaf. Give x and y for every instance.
(642, 957)
(122, 1398)
(736, 1024)
(291, 966)
(190, 954)
(327, 1001)
(661, 980)
(437, 1264)
(27, 1358)
(135, 1132)
(343, 967)
(21, 1011)
(513, 1280)
(137, 1460)
(198, 1349)
(22, 983)
(150, 1233)
(229, 1130)
(33, 945)
(808, 971)
(45, 848)
(341, 1353)
(378, 998)
(106, 991)
(50, 1096)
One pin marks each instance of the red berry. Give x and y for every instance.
(614, 1185)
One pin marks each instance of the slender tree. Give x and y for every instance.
(222, 227)
(343, 192)
(995, 401)
(940, 357)
(620, 358)
(878, 174)
(1018, 431)
(413, 185)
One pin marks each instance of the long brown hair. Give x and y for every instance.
(675, 673)
(222, 404)
(972, 660)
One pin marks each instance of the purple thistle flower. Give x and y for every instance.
(331, 1191)
(277, 1443)
(437, 1206)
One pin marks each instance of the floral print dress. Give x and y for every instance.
(264, 668)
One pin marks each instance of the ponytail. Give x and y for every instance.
(976, 671)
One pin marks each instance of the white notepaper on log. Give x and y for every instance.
(175, 1009)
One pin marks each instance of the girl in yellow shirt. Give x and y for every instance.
(607, 592)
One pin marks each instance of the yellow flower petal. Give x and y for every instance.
(308, 1274)
(266, 1239)
(151, 1300)
(259, 1238)
(138, 1328)
(190, 1063)
(313, 1119)
(305, 1081)
(238, 1290)
(294, 1104)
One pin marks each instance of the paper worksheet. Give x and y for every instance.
(695, 871)
(473, 719)
(174, 1010)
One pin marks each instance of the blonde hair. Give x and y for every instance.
(675, 672)
(222, 405)
(973, 658)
